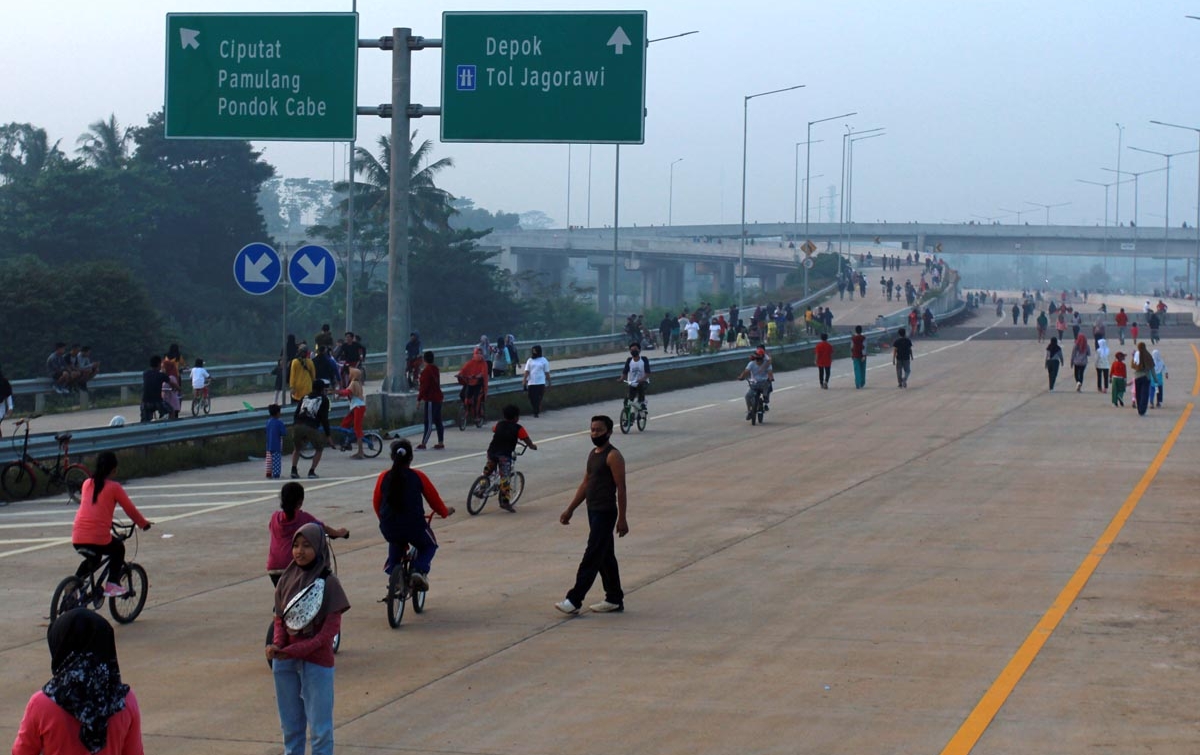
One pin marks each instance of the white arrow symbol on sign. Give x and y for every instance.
(253, 271)
(314, 274)
(618, 40)
(187, 38)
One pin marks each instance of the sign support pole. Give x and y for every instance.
(285, 365)
(398, 188)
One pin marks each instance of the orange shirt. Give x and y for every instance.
(1117, 370)
(427, 490)
(824, 353)
(93, 520)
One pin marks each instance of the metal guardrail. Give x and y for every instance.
(130, 383)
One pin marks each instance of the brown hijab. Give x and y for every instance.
(296, 579)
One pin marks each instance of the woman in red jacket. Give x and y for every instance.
(93, 522)
(429, 390)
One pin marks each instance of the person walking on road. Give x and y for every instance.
(1042, 322)
(1122, 320)
(603, 488)
(823, 354)
(308, 424)
(537, 378)
(858, 356)
(1143, 365)
(429, 392)
(1103, 360)
(1054, 360)
(902, 355)
(1159, 376)
(1118, 379)
(1079, 359)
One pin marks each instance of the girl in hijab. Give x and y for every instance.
(1054, 360)
(485, 347)
(1158, 375)
(84, 708)
(309, 603)
(1103, 360)
(1143, 365)
(1079, 359)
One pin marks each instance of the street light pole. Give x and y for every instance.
(796, 191)
(1167, 209)
(808, 161)
(1135, 211)
(1196, 286)
(1106, 188)
(745, 124)
(1018, 213)
(1047, 207)
(843, 199)
(1120, 134)
(671, 191)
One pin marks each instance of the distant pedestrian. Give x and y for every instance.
(171, 390)
(1154, 321)
(310, 425)
(153, 381)
(537, 378)
(1054, 360)
(902, 355)
(823, 355)
(1143, 365)
(1118, 379)
(858, 356)
(603, 488)
(1079, 359)
(275, 432)
(1042, 322)
(429, 392)
(1122, 320)
(1159, 376)
(1103, 360)
(1133, 331)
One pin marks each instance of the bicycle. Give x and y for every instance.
(487, 485)
(471, 411)
(412, 373)
(632, 412)
(18, 478)
(399, 591)
(337, 638)
(344, 440)
(77, 592)
(201, 401)
(758, 402)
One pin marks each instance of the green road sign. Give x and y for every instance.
(544, 77)
(287, 76)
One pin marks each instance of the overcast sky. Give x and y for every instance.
(987, 105)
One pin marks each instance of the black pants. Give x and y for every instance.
(823, 375)
(433, 419)
(600, 557)
(638, 392)
(1102, 378)
(114, 549)
(1141, 393)
(536, 392)
(1052, 369)
(1080, 369)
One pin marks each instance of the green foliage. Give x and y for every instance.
(92, 303)
(467, 215)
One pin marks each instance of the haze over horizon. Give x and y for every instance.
(986, 106)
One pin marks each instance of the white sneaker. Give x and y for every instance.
(567, 607)
(605, 607)
(113, 590)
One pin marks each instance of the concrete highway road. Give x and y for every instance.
(973, 564)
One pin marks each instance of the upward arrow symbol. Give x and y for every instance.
(618, 40)
(187, 38)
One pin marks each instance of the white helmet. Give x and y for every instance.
(116, 421)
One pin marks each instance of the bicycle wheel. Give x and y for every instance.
(307, 451)
(626, 419)
(641, 420)
(206, 405)
(756, 410)
(195, 407)
(462, 417)
(68, 595)
(395, 596)
(75, 476)
(17, 479)
(127, 607)
(516, 486)
(418, 600)
(480, 490)
(372, 444)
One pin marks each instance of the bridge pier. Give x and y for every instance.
(548, 269)
(603, 286)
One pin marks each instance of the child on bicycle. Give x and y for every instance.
(505, 435)
(92, 530)
(398, 504)
(358, 408)
(284, 525)
(200, 380)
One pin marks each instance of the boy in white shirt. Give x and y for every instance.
(200, 379)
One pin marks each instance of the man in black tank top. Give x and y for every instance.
(603, 488)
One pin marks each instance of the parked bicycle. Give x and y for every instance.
(344, 440)
(399, 591)
(412, 372)
(488, 485)
(201, 401)
(19, 478)
(88, 592)
(632, 412)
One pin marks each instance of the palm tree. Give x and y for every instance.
(25, 151)
(106, 144)
(428, 206)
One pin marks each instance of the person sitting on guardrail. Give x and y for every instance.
(60, 370)
(85, 366)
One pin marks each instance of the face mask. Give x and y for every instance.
(634, 354)
(600, 442)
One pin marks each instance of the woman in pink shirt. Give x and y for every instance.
(93, 521)
(84, 708)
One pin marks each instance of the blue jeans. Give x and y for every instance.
(304, 693)
(860, 371)
(399, 538)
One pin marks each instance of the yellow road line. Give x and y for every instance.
(1196, 385)
(981, 717)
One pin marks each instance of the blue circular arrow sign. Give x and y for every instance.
(257, 269)
(312, 270)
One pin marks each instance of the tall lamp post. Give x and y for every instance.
(1018, 213)
(1167, 203)
(671, 190)
(844, 191)
(1120, 135)
(1196, 286)
(808, 162)
(1106, 186)
(745, 123)
(1046, 257)
(1135, 175)
(796, 188)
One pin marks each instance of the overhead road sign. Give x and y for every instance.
(544, 76)
(312, 270)
(257, 269)
(285, 76)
